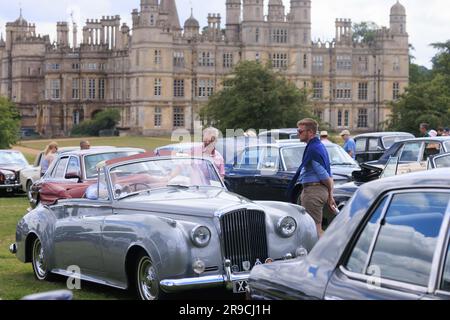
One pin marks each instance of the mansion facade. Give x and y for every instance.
(159, 74)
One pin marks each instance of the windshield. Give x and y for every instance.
(91, 161)
(442, 162)
(390, 140)
(293, 157)
(149, 175)
(9, 157)
(447, 146)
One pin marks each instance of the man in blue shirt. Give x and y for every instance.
(314, 174)
(350, 144)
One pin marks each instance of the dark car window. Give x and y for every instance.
(74, 166)
(410, 152)
(442, 162)
(60, 169)
(361, 145)
(249, 159)
(407, 240)
(388, 141)
(374, 144)
(431, 149)
(393, 151)
(445, 284)
(447, 146)
(360, 252)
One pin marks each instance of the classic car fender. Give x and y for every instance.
(165, 240)
(306, 235)
(38, 222)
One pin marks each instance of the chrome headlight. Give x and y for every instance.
(287, 226)
(9, 176)
(200, 236)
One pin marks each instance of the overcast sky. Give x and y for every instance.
(428, 21)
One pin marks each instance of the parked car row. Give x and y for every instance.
(165, 222)
(160, 225)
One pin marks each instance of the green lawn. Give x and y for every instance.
(136, 142)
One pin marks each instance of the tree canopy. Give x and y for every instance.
(9, 123)
(364, 31)
(427, 100)
(256, 97)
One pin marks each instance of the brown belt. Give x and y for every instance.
(313, 184)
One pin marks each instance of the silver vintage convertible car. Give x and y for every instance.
(161, 225)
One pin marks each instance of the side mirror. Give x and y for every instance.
(73, 175)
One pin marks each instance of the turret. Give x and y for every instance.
(62, 34)
(276, 10)
(253, 10)
(398, 19)
(233, 19)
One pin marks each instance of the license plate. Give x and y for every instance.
(240, 286)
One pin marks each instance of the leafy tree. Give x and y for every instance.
(419, 74)
(364, 31)
(104, 120)
(441, 61)
(255, 96)
(9, 123)
(428, 97)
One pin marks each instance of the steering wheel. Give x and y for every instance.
(135, 185)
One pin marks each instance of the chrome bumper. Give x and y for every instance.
(13, 248)
(177, 285)
(10, 186)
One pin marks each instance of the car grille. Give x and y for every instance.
(244, 238)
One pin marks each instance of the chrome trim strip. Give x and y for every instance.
(88, 279)
(7, 186)
(384, 282)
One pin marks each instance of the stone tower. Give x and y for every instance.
(233, 19)
(253, 10)
(398, 25)
(62, 34)
(253, 22)
(149, 12)
(276, 10)
(191, 27)
(300, 17)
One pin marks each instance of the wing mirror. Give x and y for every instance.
(73, 175)
(269, 165)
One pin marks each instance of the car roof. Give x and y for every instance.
(101, 150)
(436, 139)
(423, 179)
(15, 151)
(383, 134)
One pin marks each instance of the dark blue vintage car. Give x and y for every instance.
(390, 242)
(263, 172)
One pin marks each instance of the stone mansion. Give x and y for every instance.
(160, 74)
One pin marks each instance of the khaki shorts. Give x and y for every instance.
(314, 199)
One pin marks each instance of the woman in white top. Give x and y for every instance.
(48, 157)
